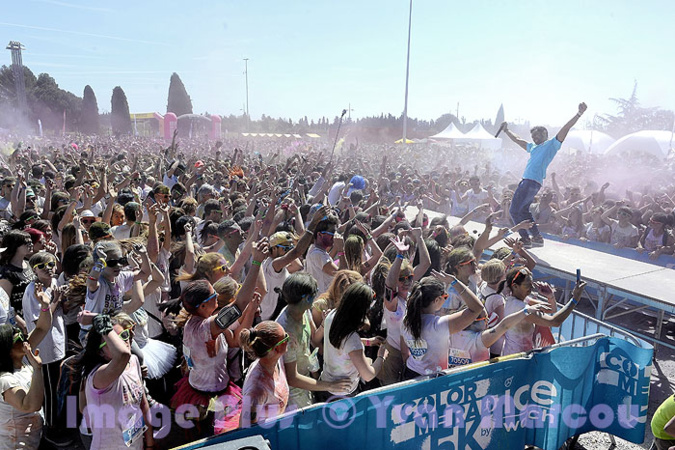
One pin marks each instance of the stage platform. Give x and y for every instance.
(620, 285)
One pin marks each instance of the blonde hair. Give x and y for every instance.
(353, 248)
(341, 281)
(493, 271)
(226, 288)
(204, 267)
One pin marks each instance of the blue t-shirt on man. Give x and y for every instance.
(540, 157)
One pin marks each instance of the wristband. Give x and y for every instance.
(340, 254)
(526, 311)
(92, 278)
(575, 301)
(138, 223)
(309, 231)
(44, 309)
(369, 237)
(256, 263)
(454, 282)
(400, 256)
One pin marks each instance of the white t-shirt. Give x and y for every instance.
(6, 311)
(334, 193)
(53, 346)
(518, 338)
(492, 301)
(273, 279)
(474, 199)
(467, 347)
(392, 322)
(336, 361)
(121, 231)
(624, 236)
(5, 209)
(316, 260)
(17, 429)
(108, 297)
(169, 182)
(429, 353)
(207, 373)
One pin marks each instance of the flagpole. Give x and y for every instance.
(407, 76)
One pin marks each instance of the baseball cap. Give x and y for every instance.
(99, 230)
(281, 238)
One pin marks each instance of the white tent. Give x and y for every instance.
(478, 132)
(478, 136)
(654, 142)
(592, 141)
(450, 132)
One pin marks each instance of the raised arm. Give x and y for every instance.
(562, 134)
(514, 137)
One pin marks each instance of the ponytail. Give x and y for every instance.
(421, 296)
(257, 342)
(413, 314)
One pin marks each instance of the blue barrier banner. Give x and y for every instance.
(541, 399)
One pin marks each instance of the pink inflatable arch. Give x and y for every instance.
(215, 127)
(170, 124)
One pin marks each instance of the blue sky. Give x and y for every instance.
(313, 58)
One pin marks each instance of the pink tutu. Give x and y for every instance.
(226, 404)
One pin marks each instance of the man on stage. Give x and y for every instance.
(542, 152)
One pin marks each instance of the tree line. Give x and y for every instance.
(55, 107)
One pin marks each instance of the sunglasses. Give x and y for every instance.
(125, 335)
(88, 220)
(466, 263)
(236, 230)
(49, 265)
(18, 337)
(286, 247)
(123, 261)
(521, 272)
(327, 232)
(31, 217)
(406, 278)
(282, 341)
(222, 268)
(207, 299)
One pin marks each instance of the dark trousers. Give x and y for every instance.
(520, 206)
(50, 374)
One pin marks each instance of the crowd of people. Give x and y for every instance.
(246, 282)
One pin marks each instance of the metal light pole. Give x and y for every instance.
(246, 73)
(407, 75)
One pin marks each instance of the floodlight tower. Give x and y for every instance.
(17, 67)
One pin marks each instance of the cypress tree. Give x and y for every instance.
(89, 121)
(119, 113)
(179, 101)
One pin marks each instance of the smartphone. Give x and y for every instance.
(227, 316)
(578, 276)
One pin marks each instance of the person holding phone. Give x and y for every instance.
(205, 348)
(520, 338)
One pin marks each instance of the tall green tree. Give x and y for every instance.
(119, 112)
(179, 101)
(89, 120)
(632, 117)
